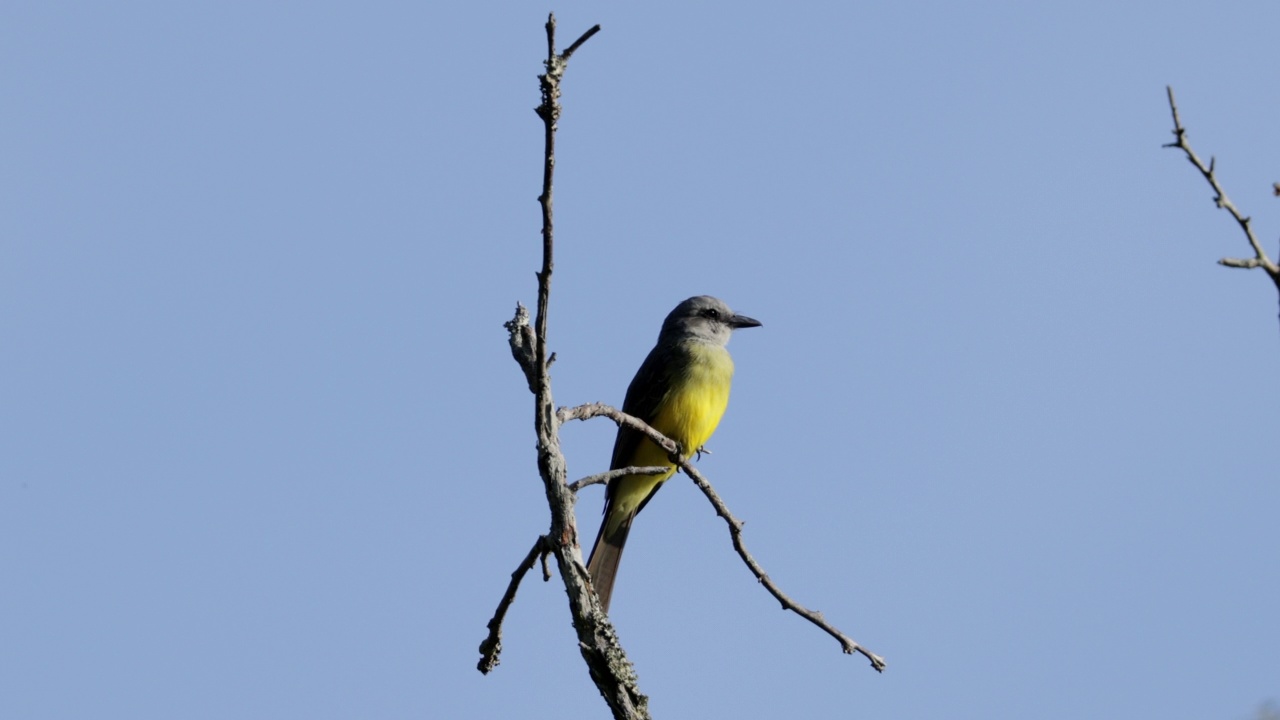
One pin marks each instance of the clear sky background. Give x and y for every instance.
(264, 452)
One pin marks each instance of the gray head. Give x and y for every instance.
(703, 318)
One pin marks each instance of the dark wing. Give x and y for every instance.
(644, 397)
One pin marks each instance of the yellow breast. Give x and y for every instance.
(697, 398)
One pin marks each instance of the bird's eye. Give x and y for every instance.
(712, 313)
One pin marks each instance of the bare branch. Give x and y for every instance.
(735, 531)
(590, 410)
(1249, 264)
(569, 51)
(491, 648)
(606, 662)
(1220, 199)
(605, 477)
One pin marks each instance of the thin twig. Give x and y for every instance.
(569, 51)
(608, 476)
(549, 111)
(735, 531)
(1220, 199)
(491, 647)
(590, 410)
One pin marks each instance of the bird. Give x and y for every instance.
(681, 390)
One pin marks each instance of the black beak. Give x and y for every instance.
(742, 321)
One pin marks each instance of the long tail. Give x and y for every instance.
(605, 556)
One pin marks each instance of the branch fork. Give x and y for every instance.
(1260, 258)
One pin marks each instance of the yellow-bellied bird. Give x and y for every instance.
(681, 391)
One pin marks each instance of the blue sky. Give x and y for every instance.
(264, 452)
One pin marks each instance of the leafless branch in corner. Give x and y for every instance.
(608, 665)
(1260, 258)
(590, 410)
